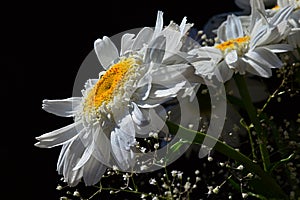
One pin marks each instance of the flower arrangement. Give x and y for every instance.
(175, 94)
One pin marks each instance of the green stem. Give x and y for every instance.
(252, 113)
(227, 150)
(243, 123)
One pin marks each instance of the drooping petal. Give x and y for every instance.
(68, 159)
(257, 68)
(120, 143)
(101, 146)
(59, 136)
(265, 58)
(278, 48)
(62, 107)
(93, 171)
(223, 72)
(106, 51)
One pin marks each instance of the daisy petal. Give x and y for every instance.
(126, 43)
(62, 107)
(156, 50)
(156, 123)
(168, 92)
(93, 171)
(265, 58)
(126, 125)
(138, 116)
(223, 72)
(120, 147)
(71, 155)
(106, 51)
(279, 48)
(282, 15)
(159, 24)
(257, 68)
(84, 158)
(59, 136)
(143, 37)
(234, 27)
(101, 147)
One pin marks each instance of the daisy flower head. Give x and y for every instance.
(123, 103)
(294, 20)
(247, 44)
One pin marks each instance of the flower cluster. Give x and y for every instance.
(136, 94)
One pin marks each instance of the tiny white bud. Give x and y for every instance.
(174, 173)
(152, 181)
(244, 195)
(59, 187)
(249, 175)
(187, 186)
(240, 167)
(216, 190)
(209, 158)
(76, 194)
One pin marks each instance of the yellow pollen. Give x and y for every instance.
(106, 87)
(233, 43)
(276, 7)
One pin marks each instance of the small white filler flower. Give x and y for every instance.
(123, 102)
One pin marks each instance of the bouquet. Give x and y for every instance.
(177, 112)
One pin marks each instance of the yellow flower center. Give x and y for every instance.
(296, 4)
(239, 44)
(276, 7)
(108, 85)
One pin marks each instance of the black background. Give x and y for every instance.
(43, 45)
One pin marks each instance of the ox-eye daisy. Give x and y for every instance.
(247, 45)
(120, 104)
(294, 36)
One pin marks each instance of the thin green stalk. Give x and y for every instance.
(227, 150)
(243, 123)
(252, 113)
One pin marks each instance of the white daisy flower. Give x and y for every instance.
(247, 45)
(294, 20)
(146, 72)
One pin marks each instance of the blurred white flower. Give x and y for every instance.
(294, 20)
(123, 102)
(247, 44)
